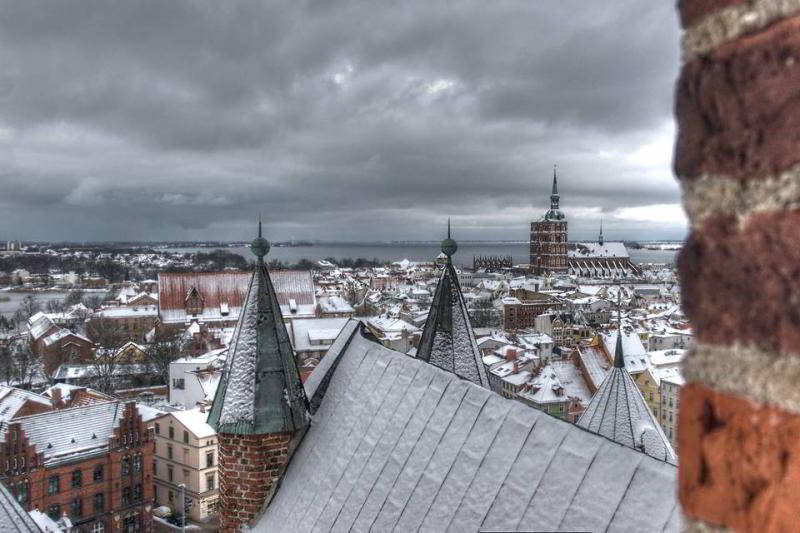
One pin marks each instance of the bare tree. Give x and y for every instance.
(19, 365)
(109, 337)
(167, 345)
(27, 308)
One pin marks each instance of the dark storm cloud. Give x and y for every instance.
(337, 120)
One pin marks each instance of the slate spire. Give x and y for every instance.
(619, 412)
(554, 197)
(448, 341)
(619, 357)
(260, 391)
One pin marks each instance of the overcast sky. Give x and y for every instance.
(337, 120)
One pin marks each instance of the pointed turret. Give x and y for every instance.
(260, 407)
(618, 410)
(448, 341)
(260, 391)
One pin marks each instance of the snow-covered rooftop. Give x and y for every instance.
(399, 445)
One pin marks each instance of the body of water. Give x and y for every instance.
(10, 300)
(387, 252)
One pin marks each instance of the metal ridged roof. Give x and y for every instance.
(13, 517)
(400, 445)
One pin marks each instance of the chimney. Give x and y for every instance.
(55, 398)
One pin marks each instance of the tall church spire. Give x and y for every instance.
(448, 341)
(260, 391)
(554, 197)
(600, 238)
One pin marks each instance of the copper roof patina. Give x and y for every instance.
(260, 391)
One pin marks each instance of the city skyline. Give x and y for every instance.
(353, 123)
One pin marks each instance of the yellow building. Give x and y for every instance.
(186, 453)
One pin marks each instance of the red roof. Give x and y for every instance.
(230, 288)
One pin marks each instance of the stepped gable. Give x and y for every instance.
(448, 341)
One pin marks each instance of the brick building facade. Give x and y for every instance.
(92, 464)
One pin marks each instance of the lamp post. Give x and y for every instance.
(182, 486)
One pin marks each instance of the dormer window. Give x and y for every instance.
(194, 302)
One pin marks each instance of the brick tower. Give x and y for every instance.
(549, 238)
(260, 409)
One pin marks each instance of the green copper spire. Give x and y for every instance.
(260, 391)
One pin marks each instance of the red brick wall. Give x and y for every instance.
(737, 156)
(250, 467)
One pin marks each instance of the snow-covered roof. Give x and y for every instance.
(195, 421)
(595, 249)
(13, 518)
(62, 333)
(13, 399)
(307, 333)
(39, 324)
(400, 445)
(74, 432)
(619, 412)
(144, 311)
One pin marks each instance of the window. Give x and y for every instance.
(169, 451)
(77, 478)
(209, 481)
(99, 503)
(137, 493)
(171, 496)
(158, 428)
(97, 476)
(185, 475)
(155, 493)
(130, 524)
(185, 436)
(171, 432)
(126, 466)
(76, 508)
(126, 496)
(170, 474)
(137, 463)
(54, 512)
(155, 468)
(52, 485)
(178, 383)
(209, 459)
(23, 492)
(98, 527)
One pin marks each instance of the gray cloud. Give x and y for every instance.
(338, 120)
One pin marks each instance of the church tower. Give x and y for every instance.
(260, 409)
(549, 238)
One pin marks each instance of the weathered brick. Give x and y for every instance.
(739, 108)
(740, 465)
(742, 284)
(692, 11)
